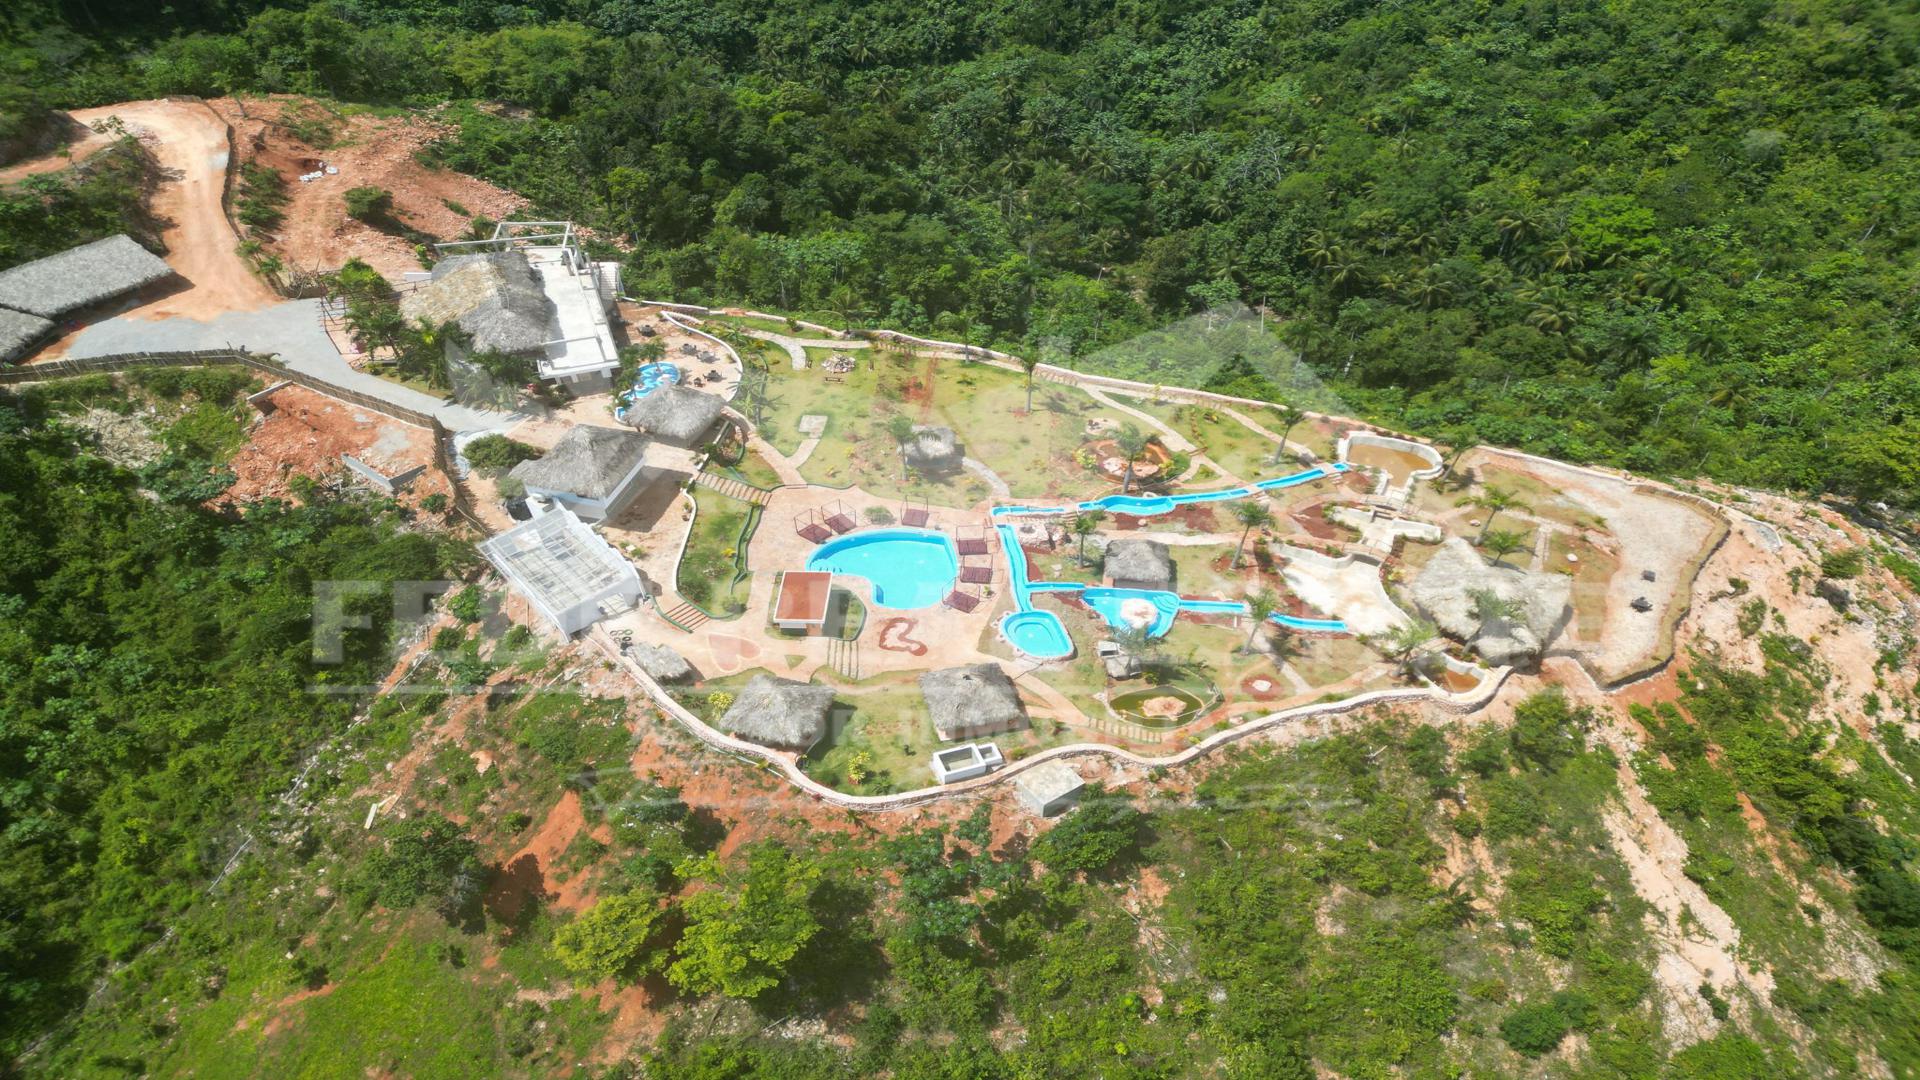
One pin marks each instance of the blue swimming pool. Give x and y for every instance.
(908, 568)
(1113, 604)
(1038, 634)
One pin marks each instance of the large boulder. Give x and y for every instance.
(1444, 592)
(662, 663)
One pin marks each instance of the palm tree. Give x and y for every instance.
(1290, 417)
(1249, 513)
(1260, 605)
(1459, 442)
(900, 426)
(1565, 254)
(1405, 643)
(1085, 524)
(1501, 543)
(1028, 363)
(1132, 442)
(1494, 500)
(1491, 607)
(1135, 642)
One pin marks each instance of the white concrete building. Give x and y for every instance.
(593, 471)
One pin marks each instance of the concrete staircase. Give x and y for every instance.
(733, 489)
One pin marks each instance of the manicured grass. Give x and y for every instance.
(705, 574)
(1238, 448)
(753, 469)
(754, 322)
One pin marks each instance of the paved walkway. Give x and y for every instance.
(797, 347)
(290, 331)
(1173, 440)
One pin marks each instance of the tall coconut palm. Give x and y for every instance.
(1405, 644)
(1132, 442)
(1490, 607)
(1290, 417)
(1028, 364)
(1501, 543)
(1251, 514)
(1260, 605)
(1494, 500)
(1085, 524)
(900, 426)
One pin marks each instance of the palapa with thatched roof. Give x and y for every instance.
(20, 332)
(497, 298)
(1140, 564)
(81, 277)
(933, 449)
(676, 414)
(780, 712)
(591, 469)
(971, 700)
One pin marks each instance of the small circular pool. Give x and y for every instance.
(1037, 634)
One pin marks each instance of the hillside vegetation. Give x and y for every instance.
(1677, 238)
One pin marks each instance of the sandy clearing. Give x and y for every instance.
(190, 143)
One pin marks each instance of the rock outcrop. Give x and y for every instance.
(661, 662)
(1445, 589)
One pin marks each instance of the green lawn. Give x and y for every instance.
(707, 569)
(1238, 448)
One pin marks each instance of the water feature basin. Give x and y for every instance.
(1037, 634)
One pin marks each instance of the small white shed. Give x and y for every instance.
(1048, 789)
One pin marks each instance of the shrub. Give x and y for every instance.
(1103, 829)
(1844, 564)
(1534, 1030)
(610, 941)
(372, 205)
(498, 452)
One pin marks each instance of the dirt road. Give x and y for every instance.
(190, 143)
(84, 144)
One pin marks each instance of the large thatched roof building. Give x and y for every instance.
(972, 700)
(495, 297)
(81, 277)
(1140, 564)
(780, 712)
(594, 471)
(19, 333)
(676, 414)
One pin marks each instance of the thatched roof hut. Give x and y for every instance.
(1140, 564)
(971, 700)
(497, 298)
(588, 461)
(20, 332)
(933, 449)
(780, 712)
(81, 277)
(676, 414)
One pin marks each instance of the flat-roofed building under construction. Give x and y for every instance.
(571, 576)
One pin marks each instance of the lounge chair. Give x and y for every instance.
(962, 602)
(976, 575)
(841, 523)
(915, 518)
(816, 533)
(971, 545)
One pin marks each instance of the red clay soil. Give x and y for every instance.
(1275, 688)
(305, 434)
(370, 151)
(896, 635)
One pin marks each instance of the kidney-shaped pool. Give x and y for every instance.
(908, 568)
